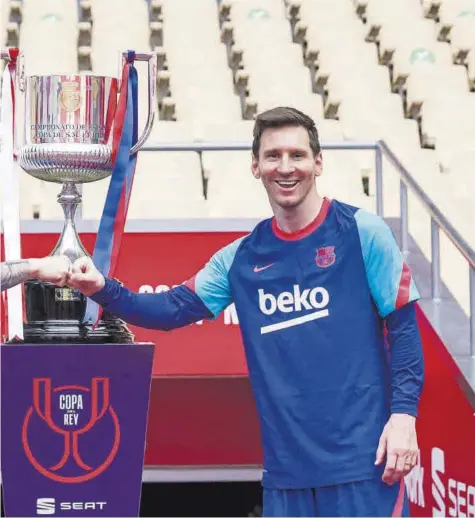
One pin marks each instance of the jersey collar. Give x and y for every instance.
(306, 231)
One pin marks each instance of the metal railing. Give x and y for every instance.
(407, 181)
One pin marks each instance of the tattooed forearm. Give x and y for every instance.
(14, 272)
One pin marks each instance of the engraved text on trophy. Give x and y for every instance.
(64, 132)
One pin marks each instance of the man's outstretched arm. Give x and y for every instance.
(168, 310)
(202, 297)
(53, 269)
(14, 272)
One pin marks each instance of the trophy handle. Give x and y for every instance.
(151, 57)
(20, 72)
(19, 87)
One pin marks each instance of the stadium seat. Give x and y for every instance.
(166, 185)
(201, 82)
(450, 123)
(408, 54)
(262, 32)
(14, 10)
(383, 13)
(232, 191)
(434, 82)
(108, 42)
(43, 25)
(471, 70)
(85, 13)
(456, 25)
(461, 37)
(206, 98)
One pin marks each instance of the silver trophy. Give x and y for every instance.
(69, 122)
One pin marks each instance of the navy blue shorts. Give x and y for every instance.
(365, 498)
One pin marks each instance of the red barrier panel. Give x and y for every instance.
(443, 484)
(151, 261)
(198, 421)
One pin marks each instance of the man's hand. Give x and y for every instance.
(85, 277)
(53, 269)
(399, 443)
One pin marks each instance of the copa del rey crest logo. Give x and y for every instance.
(70, 97)
(325, 256)
(71, 433)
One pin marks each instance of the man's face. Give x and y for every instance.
(286, 164)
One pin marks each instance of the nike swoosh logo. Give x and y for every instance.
(258, 269)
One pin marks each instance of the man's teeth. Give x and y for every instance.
(287, 183)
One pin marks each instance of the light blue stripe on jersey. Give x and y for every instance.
(383, 262)
(212, 284)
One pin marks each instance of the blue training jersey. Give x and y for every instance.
(311, 308)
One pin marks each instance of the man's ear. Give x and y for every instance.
(255, 167)
(318, 164)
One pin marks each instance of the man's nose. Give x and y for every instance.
(285, 165)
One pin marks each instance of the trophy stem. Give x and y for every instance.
(69, 243)
(55, 314)
(69, 198)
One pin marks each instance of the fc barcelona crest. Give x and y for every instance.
(325, 256)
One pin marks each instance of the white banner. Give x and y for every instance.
(10, 204)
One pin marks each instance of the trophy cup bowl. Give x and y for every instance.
(67, 139)
(68, 125)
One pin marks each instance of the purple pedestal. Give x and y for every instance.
(73, 428)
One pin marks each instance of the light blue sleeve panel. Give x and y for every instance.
(211, 283)
(389, 277)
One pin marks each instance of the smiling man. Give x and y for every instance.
(316, 288)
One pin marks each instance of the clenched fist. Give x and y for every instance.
(85, 277)
(53, 269)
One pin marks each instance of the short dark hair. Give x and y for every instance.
(284, 116)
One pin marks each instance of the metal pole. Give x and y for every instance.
(379, 181)
(435, 256)
(404, 214)
(472, 311)
(244, 146)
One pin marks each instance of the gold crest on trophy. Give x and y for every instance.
(70, 97)
(95, 88)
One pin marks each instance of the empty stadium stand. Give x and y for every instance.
(402, 71)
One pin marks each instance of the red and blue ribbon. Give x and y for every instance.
(114, 215)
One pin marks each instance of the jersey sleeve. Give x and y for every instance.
(211, 283)
(407, 360)
(203, 296)
(389, 278)
(165, 311)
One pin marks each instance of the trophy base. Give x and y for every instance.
(55, 315)
(74, 332)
